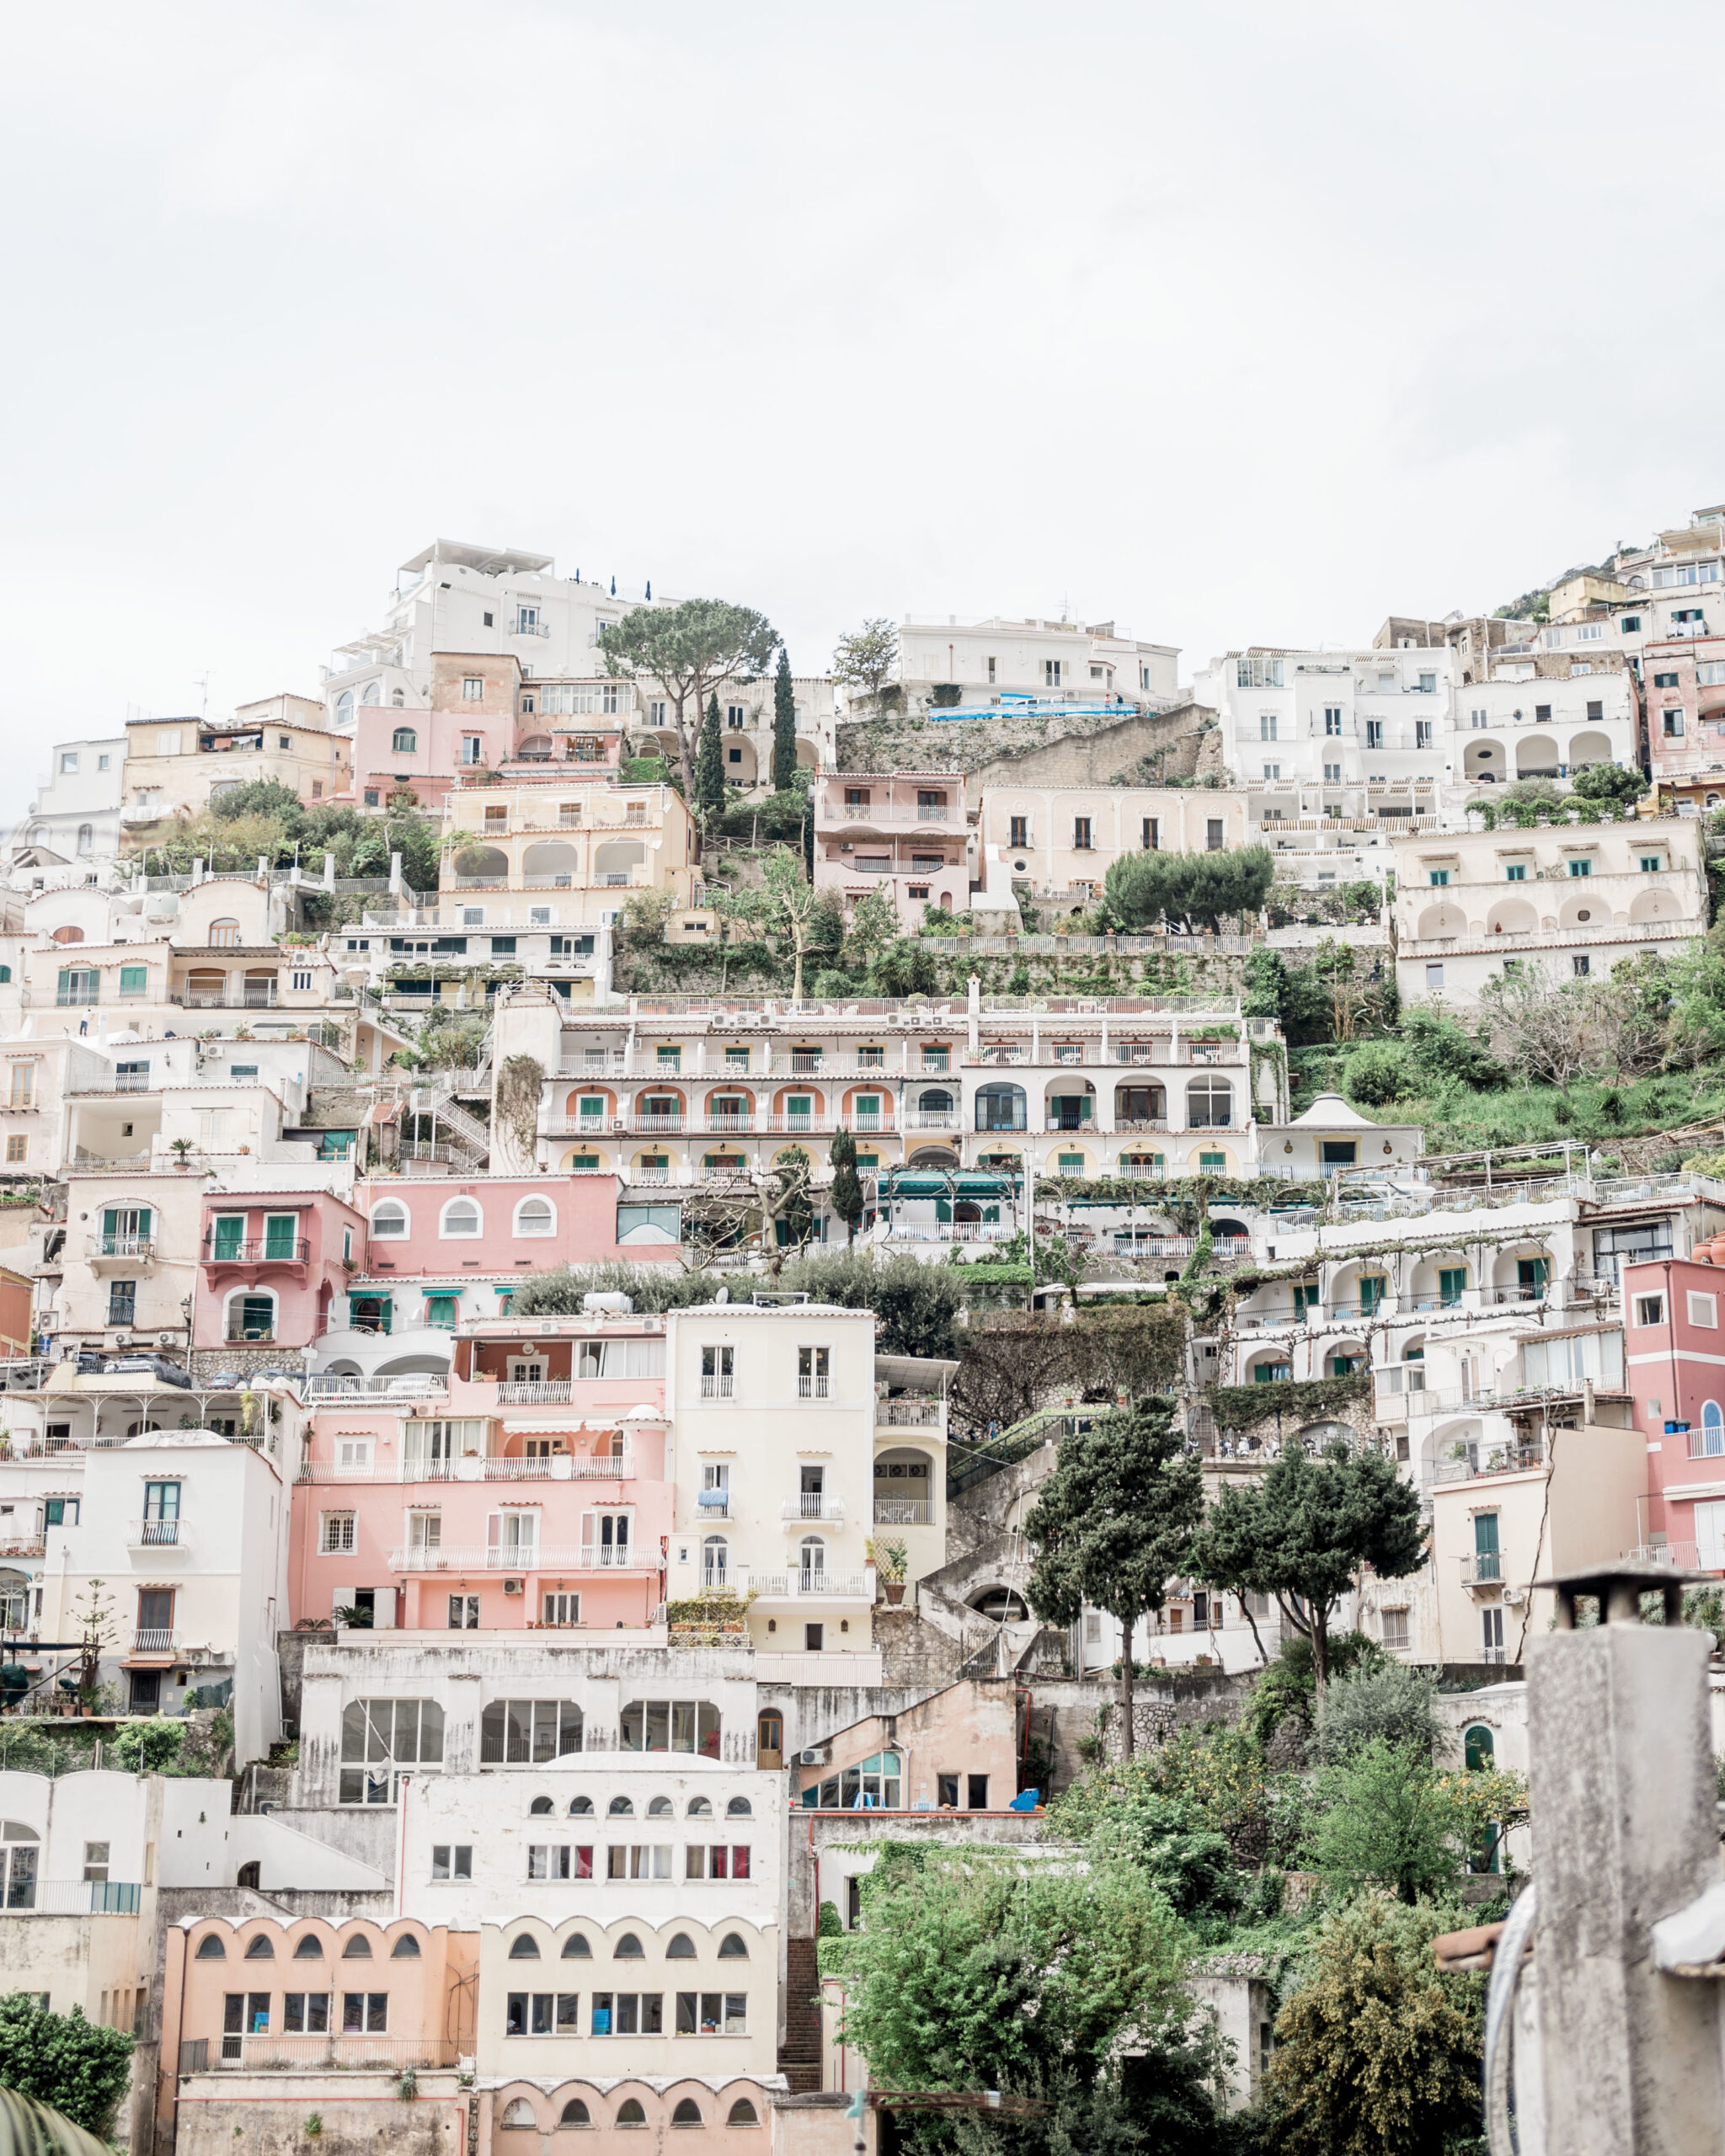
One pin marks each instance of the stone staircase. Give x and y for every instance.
(799, 2055)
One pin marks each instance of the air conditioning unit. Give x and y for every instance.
(512, 1587)
(164, 1339)
(122, 1340)
(1514, 1596)
(817, 1755)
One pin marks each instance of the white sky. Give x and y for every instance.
(1235, 322)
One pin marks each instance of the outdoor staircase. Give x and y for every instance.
(799, 2055)
(463, 1130)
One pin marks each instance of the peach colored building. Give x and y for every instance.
(313, 2004)
(905, 833)
(526, 1489)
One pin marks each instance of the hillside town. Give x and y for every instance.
(851, 1126)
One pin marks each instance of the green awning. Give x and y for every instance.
(953, 1185)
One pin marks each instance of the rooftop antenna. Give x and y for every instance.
(203, 683)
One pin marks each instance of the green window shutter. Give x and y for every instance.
(133, 979)
(230, 1234)
(1452, 1284)
(440, 1310)
(281, 1234)
(109, 1219)
(592, 1107)
(1085, 1105)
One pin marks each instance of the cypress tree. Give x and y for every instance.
(784, 725)
(847, 1195)
(709, 764)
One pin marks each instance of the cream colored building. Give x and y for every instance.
(1059, 840)
(780, 1448)
(1053, 661)
(175, 767)
(576, 844)
(1573, 898)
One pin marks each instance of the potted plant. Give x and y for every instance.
(890, 1561)
(182, 1149)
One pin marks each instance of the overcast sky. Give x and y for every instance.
(1227, 322)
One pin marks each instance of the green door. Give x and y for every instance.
(1452, 1283)
(1487, 1563)
(230, 1234)
(282, 1235)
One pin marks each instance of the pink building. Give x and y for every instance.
(905, 833)
(273, 1269)
(1675, 1354)
(528, 1488)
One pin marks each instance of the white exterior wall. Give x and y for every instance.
(764, 1429)
(1467, 927)
(1393, 707)
(1093, 661)
(76, 812)
(227, 1568)
(1501, 730)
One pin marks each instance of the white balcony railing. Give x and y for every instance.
(809, 1586)
(524, 1557)
(910, 1414)
(812, 1504)
(717, 1388)
(903, 1512)
(533, 1392)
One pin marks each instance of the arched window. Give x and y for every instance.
(86, 838)
(259, 1950)
(527, 1732)
(681, 1948)
(732, 1948)
(518, 2112)
(811, 1556)
(715, 1561)
(461, 1216)
(622, 1807)
(629, 2112)
(659, 1808)
(344, 708)
(536, 1216)
(371, 693)
(742, 2113)
(740, 1808)
(935, 1100)
(398, 698)
(576, 1949)
(211, 1949)
(309, 1948)
(524, 1947)
(688, 2113)
(224, 935)
(1210, 1104)
(628, 1948)
(404, 741)
(575, 2113)
(1478, 1748)
(389, 1220)
(251, 1315)
(405, 1949)
(1712, 1428)
(580, 1807)
(540, 1804)
(358, 1948)
(700, 1807)
(1000, 1107)
(378, 1735)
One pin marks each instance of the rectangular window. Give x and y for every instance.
(1332, 721)
(1395, 1625)
(1650, 1310)
(122, 1302)
(451, 1860)
(1452, 1285)
(1019, 828)
(1374, 734)
(364, 2013)
(1515, 872)
(992, 670)
(472, 689)
(717, 1372)
(627, 2013)
(1333, 774)
(306, 2013)
(1267, 726)
(1151, 836)
(1051, 673)
(1434, 972)
(23, 1086)
(18, 1149)
(1581, 868)
(1213, 841)
(1581, 965)
(1423, 734)
(1673, 725)
(1272, 770)
(134, 979)
(1081, 834)
(339, 1529)
(1438, 876)
(1704, 1310)
(1651, 864)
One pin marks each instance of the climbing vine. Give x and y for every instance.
(521, 1082)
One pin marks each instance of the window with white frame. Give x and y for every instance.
(389, 1220)
(461, 1218)
(1650, 1310)
(339, 1532)
(1704, 1310)
(536, 1216)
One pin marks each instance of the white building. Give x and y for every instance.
(186, 1530)
(1059, 662)
(1572, 897)
(1519, 726)
(793, 1447)
(1330, 720)
(76, 814)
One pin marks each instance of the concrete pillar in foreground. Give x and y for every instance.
(1624, 1834)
